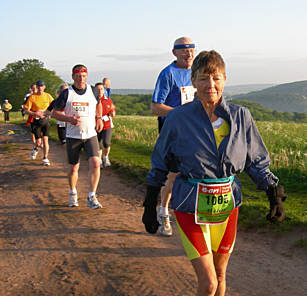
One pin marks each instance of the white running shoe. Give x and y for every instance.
(73, 200)
(165, 227)
(106, 162)
(93, 203)
(33, 153)
(46, 162)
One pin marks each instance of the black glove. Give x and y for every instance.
(276, 196)
(150, 209)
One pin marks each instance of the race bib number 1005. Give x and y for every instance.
(214, 203)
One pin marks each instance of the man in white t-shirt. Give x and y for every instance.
(82, 107)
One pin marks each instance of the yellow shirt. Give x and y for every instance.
(221, 129)
(39, 102)
(7, 107)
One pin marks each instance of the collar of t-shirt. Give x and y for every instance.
(79, 91)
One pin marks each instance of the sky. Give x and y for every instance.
(130, 42)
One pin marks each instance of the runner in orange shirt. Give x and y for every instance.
(36, 106)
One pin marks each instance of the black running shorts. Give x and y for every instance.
(104, 138)
(41, 127)
(74, 146)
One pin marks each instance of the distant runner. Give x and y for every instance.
(104, 137)
(35, 106)
(7, 107)
(60, 125)
(107, 86)
(32, 91)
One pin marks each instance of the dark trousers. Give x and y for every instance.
(6, 115)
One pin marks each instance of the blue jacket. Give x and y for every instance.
(187, 145)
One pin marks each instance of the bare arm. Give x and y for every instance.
(58, 115)
(160, 109)
(99, 122)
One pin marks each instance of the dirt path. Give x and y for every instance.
(47, 248)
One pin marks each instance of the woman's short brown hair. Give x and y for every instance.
(209, 62)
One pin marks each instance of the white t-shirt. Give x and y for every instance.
(83, 106)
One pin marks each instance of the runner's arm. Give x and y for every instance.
(160, 109)
(58, 115)
(99, 121)
(162, 90)
(28, 107)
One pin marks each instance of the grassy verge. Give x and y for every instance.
(134, 138)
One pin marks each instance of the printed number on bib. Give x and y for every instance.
(214, 203)
(187, 94)
(80, 109)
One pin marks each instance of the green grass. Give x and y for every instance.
(134, 138)
(301, 243)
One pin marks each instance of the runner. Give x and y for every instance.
(173, 88)
(60, 125)
(35, 106)
(32, 91)
(22, 111)
(7, 107)
(104, 137)
(107, 86)
(81, 105)
(209, 142)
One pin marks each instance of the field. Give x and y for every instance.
(134, 138)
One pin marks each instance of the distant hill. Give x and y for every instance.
(229, 90)
(140, 105)
(131, 91)
(287, 97)
(244, 88)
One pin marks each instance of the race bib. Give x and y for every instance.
(187, 94)
(80, 109)
(61, 123)
(214, 203)
(106, 118)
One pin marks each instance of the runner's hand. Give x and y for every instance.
(99, 125)
(75, 120)
(40, 114)
(150, 220)
(150, 209)
(276, 197)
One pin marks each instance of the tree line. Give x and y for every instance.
(140, 105)
(16, 79)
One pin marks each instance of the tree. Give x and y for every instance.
(16, 79)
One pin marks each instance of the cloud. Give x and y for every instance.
(138, 57)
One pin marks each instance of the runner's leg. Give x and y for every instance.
(166, 194)
(107, 135)
(220, 263)
(46, 146)
(166, 191)
(94, 172)
(73, 175)
(206, 275)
